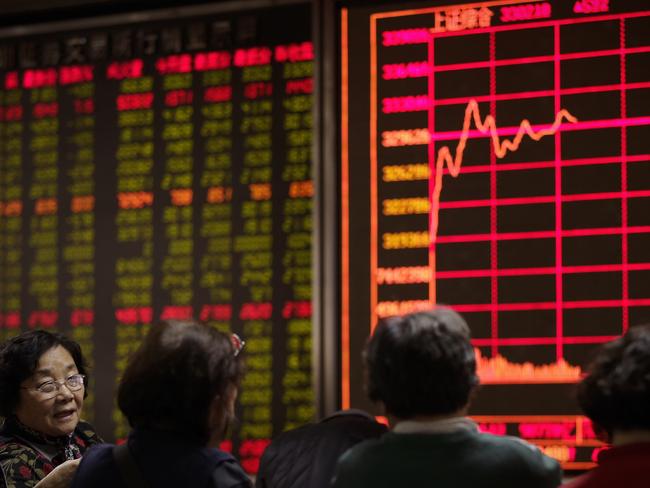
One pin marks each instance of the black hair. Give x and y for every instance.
(421, 364)
(172, 379)
(615, 394)
(19, 358)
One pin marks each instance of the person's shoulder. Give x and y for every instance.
(10, 446)
(97, 467)
(297, 435)
(228, 473)
(87, 434)
(352, 427)
(8, 441)
(217, 456)
(508, 444)
(101, 454)
(517, 455)
(291, 444)
(17, 462)
(100, 451)
(365, 453)
(11, 449)
(583, 481)
(357, 466)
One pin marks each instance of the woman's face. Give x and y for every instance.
(54, 414)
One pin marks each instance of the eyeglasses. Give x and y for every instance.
(237, 343)
(51, 388)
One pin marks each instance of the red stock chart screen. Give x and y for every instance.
(496, 158)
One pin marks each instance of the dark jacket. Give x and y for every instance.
(459, 459)
(165, 460)
(627, 466)
(305, 457)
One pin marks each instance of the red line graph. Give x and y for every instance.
(561, 201)
(454, 162)
(419, 136)
(533, 131)
(448, 160)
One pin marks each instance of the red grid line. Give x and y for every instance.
(494, 263)
(566, 305)
(431, 153)
(542, 234)
(579, 197)
(624, 199)
(537, 59)
(559, 293)
(538, 94)
(542, 341)
(566, 163)
(537, 271)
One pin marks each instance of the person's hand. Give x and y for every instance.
(61, 476)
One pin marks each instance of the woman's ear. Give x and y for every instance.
(230, 398)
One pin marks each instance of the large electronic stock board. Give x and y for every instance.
(160, 169)
(496, 158)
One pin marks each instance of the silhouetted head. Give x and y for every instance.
(421, 364)
(183, 378)
(615, 394)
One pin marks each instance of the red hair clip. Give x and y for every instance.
(237, 343)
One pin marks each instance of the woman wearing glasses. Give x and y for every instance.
(42, 390)
(178, 393)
